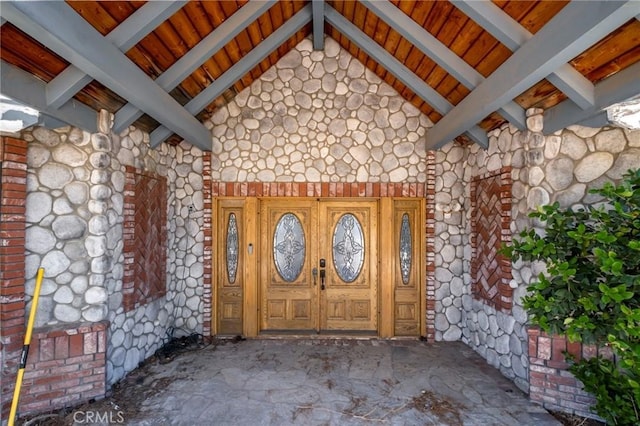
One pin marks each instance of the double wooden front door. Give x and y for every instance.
(318, 266)
(307, 266)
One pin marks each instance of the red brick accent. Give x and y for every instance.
(66, 366)
(208, 242)
(490, 228)
(338, 189)
(551, 385)
(431, 236)
(13, 195)
(310, 189)
(145, 238)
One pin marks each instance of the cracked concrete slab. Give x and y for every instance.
(336, 382)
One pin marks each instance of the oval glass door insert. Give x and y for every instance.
(348, 248)
(232, 248)
(405, 249)
(289, 247)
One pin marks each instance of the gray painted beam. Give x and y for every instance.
(438, 52)
(197, 55)
(50, 122)
(402, 73)
(240, 68)
(63, 31)
(510, 33)
(318, 24)
(599, 120)
(29, 90)
(577, 27)
(15, 115)
(126, 35)
(617, 88)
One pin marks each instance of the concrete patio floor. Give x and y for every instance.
(332, 382)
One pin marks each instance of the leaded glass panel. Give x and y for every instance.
(289, 247)
(405, 249)
(232, 248)
(348, 248)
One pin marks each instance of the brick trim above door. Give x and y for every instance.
(319, 189)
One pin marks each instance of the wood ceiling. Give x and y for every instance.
(477, 64)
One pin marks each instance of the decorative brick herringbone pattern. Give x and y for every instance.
(145, 236)
(490, 221)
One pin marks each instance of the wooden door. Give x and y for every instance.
(348, 244)
(299, 293)
(288, 244)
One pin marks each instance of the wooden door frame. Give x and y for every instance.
(386, 262)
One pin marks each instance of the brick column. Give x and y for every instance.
(13, 190)
(208, 242)
(552, 385)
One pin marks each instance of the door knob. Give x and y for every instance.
(322, 275)
(314, 272)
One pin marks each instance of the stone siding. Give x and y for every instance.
(75, 220)
(564, 167)
(319, 116)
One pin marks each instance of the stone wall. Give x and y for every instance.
(544, 169)
(567, 165)
(319, 116)
(136, 334)
(451, 241)
(74, 216)
(500, 335)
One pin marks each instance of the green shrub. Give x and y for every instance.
(591, 289)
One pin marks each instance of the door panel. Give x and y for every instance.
(349, 302)
(407, 248)
(288, 300)
(230, 274)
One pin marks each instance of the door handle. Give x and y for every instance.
(314, 272)
(322, 273)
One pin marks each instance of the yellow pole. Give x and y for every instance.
(25, 347)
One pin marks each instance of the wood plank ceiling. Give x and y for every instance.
(431, 46)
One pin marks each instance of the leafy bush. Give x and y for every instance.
(591, 290)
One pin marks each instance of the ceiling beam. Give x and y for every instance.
(618, 88)
(399, 71)
(599, 120)
(440, 53)
(61, 29)
(318, 24)
(197, 56)
(126, 35)
(31, 91)
(576, 28)
(510, 33)
(239, 69)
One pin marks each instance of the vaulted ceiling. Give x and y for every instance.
(468, 65)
